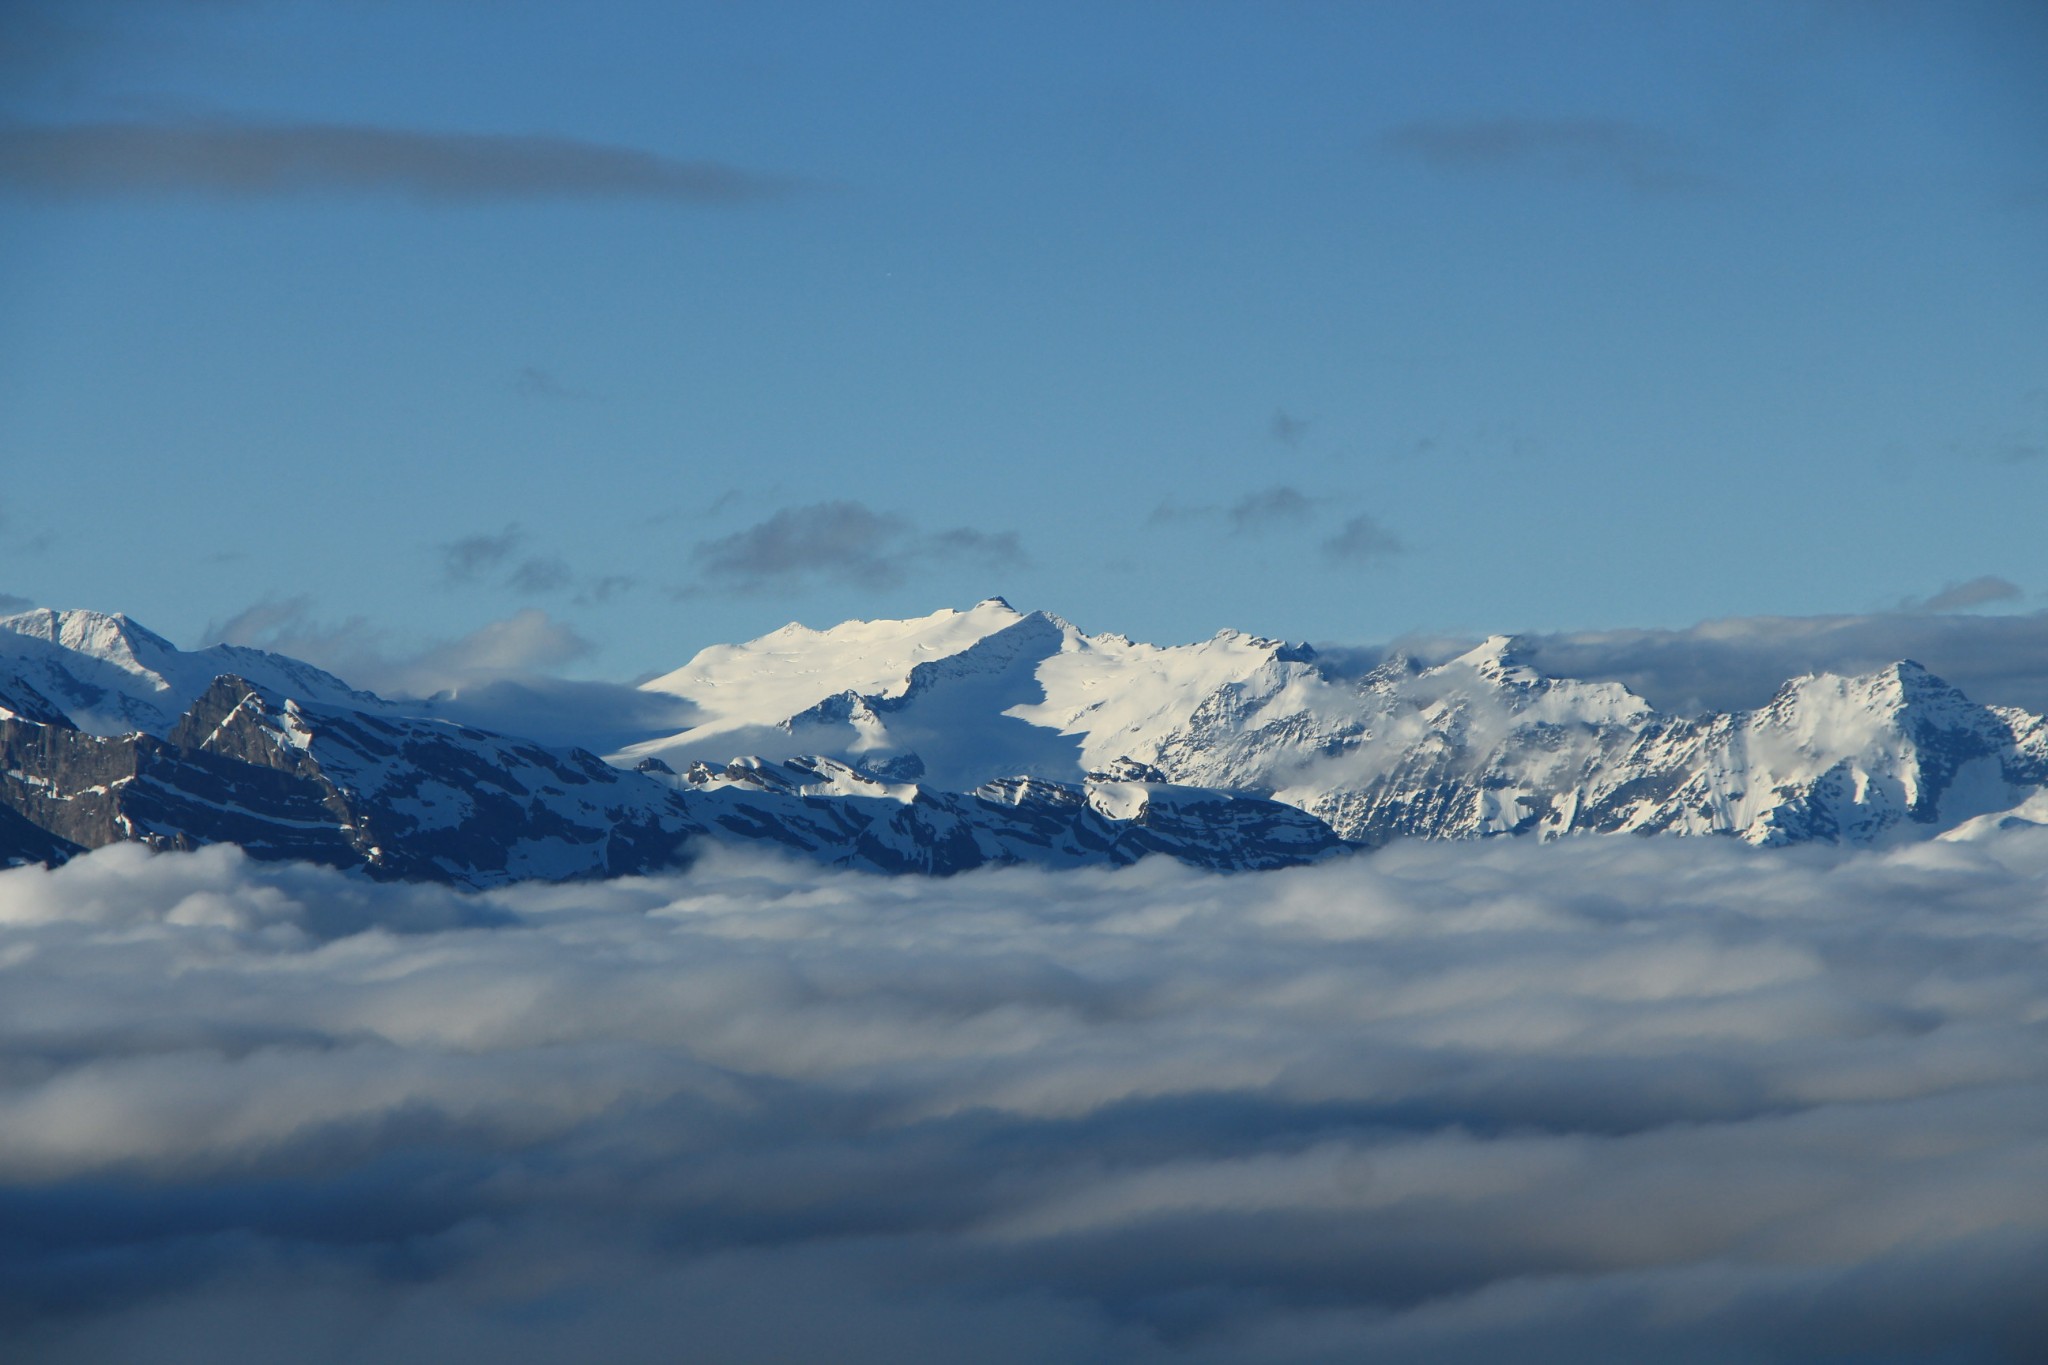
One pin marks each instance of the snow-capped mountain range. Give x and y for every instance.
(965, 738)
(1480, 745)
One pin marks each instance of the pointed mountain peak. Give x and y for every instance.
(1493, 649)
(1000, 602)
(1391, 671)
(1916, 676)
(1916, 684)
(116, 638)
(1233, 638)
(1888, 691)
(1498, 657)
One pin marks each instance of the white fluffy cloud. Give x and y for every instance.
(1609, 1099)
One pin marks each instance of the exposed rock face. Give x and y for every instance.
(397, 797)
(414, 797)
(1004, 738)
(1897, 753)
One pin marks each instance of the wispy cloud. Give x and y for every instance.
(1287, 429)
(1253, 513)
(468, 558)
(540, 574)
(20, 542)
(526, 642)
(1642, 159)
(846, 542)
(1169, 512)
(1976, 592)
(10, 603)
(1737, 662)
(1269, 508)
(525, 646)
(499, 558)
(606, 588)
(253, 159)
(534, 382)
(502, 676)
(1362, 540)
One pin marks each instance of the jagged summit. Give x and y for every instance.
(1482, 743)
(969, 736)
(348, 780)
(1498, 659)
(789, 689)
(778, 674)
(1917, 682)
(109, 675)
(101, 634)
(1495, 652)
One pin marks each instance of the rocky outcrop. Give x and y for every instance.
(423, 799)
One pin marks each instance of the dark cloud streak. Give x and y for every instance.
(1641, 159)
(534, 382)
(265, 160)
(1269, 508)
(1737, 663)
(846, 542)
(469, 558)
(1289, 430)
(1977, 592)
(541, 574)
(1362, 540)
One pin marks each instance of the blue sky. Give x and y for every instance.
(597, 333)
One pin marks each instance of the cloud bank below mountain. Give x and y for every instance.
(1602, 1099)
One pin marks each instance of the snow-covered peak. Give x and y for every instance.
(767, 680)
(1919, 687)
(987, 692)
(1128, 698)
(110, 675)
(1000, 704)
(1833, 708)
(1496, 659)
(113, 638)
(1491, 686)
(1025, 641)
(1493, 651)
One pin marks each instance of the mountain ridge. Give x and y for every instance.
(1481, 743)
(965, 738)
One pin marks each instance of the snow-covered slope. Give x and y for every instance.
(2031, 812)
(962, 697)
(1892, 754)
(1480, 745)
(965, 738)
(746, 694)
(106, 675)
(108, 733)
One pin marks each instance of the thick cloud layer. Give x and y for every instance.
(1608, 1099)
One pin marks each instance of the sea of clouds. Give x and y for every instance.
(1607, 1099)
